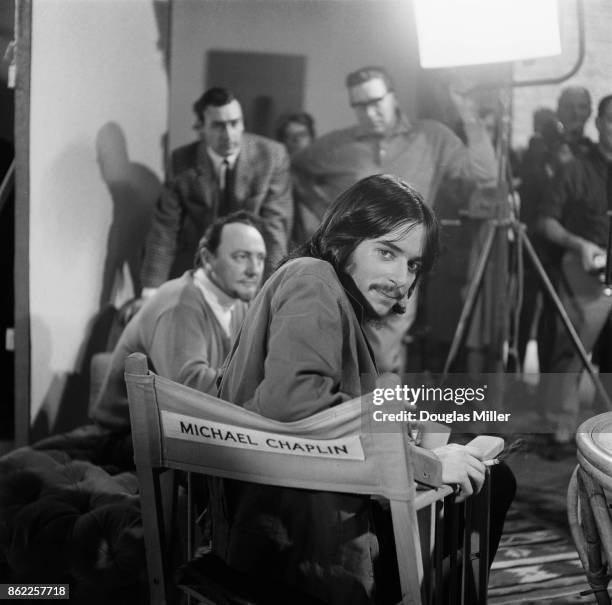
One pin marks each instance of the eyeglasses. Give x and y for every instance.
(363, 105)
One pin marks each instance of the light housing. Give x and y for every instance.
(474, 32)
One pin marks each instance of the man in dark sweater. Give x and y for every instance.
(575, 219)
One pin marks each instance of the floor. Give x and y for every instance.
(542, 481)
(543, 473)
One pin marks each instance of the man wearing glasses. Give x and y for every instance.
(424, 153)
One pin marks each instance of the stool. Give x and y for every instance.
(587, 505)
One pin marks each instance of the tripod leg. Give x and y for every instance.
(565, 318)
(470, 300)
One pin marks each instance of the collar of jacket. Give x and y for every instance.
(203, 155)
(363, 309)
(402, 127)
(597, 159)
(361, 306)
(582, 146)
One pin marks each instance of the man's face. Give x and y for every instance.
(296, 137)
(237, 265)
(375, 106)
(223, 127)
(573, 111)
(384, 268)
(604, 127)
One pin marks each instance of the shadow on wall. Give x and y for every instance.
(67, 400)
(40, 424)
(134, 189)
(162, 18)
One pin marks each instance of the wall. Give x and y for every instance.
(336, 36)
(7, 20)
(93, 62)
(339, 35)
(595, 73)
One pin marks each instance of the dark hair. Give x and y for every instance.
(602, 105)
(569, 91)
(212, 236)
(548, 125)
(300, 117)
(371, 72)
(369, 209)
(215, 97)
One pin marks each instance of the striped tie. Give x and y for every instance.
(226, 204)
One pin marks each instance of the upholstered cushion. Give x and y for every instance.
(68, 520)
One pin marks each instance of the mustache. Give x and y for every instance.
(400, 294)
(391, 291)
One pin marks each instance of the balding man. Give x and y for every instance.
(557, 140)
(186, 328)
(575, 220)
(573, 110)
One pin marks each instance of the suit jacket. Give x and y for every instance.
(190, 201)
(301, 349)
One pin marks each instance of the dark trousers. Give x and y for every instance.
(388, 591)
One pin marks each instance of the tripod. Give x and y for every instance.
(523, 244)
(499, 226)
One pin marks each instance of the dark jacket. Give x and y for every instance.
(190, 201)
(301, 350)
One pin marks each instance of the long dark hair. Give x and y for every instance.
(371, 208)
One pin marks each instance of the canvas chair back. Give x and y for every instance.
(176, 427)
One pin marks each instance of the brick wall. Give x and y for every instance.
(595, 73)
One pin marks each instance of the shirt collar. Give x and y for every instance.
(212, 293)
(402, 127)
(217, 159)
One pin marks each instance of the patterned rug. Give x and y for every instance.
(536, 564)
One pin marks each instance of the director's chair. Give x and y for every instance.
(177, 428)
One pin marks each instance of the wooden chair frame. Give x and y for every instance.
(391, 467)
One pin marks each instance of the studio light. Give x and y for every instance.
(473, 32)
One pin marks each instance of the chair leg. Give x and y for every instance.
(154, 531)
(441, 507)
(453, 513)
(591, 497)
(479, 563)
(407, 541)
(467, 592)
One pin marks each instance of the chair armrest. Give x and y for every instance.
(426, 466)
(488, 445)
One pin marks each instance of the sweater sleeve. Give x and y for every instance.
(178, 348)
(303, 362)
(474, 162)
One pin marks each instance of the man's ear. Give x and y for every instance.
(205, 257)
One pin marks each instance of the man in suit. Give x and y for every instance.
(226, 170)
